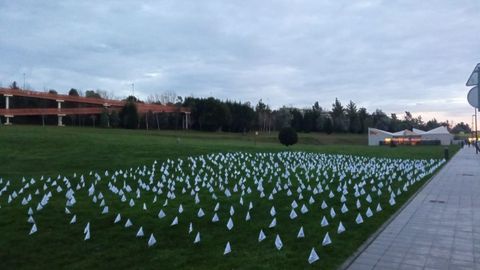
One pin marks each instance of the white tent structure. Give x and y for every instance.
(411, 137)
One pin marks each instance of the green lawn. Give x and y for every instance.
(35, 151)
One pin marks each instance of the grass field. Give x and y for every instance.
(34, 152)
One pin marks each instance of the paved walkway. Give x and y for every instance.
(439, 229)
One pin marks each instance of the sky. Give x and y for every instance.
(394, 55)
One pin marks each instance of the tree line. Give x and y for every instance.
(212, 114)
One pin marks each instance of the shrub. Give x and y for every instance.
(288, 136)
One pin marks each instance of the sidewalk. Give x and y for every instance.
(439, 229)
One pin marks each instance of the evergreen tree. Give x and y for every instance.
(129, 115)
(104, 119)
(328, 125)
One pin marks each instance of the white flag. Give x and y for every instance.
(278, 242)
(313, 257)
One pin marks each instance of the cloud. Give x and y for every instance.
(394, 55)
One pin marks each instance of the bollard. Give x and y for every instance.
(445, 153)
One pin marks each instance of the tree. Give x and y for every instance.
(132, 99)
(461, 127)
(129, 115)
(288, 136)
(328, 125)
(264, 116)
(73, 92)
(104, 119)
(14, 85)
(114, 119)
(338, 116)
(92, 94)
(53, 91)
(431, 124)
(353, 121)
(380, 120)
(362, 117)
(316, 118)
(297, 119)
(283, 118)
(310, 120)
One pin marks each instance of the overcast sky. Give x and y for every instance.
(394, 55)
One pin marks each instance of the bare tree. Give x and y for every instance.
(168, 97)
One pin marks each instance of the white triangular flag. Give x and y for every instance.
(304, 209)
(87, 228)
(261, 236)
(341, 228)
(105, 210)
(324, 222)
(180, 209)
(227, 249)
(369, 212)
(140, 232)
(324, 205)
(273, 223)
(74, 219)
(294, 204)
(151, 240)
(293, 214)
(313, 257)
(161, 214)
(33, 229)
(247, 217)
(301, 234)
(379, 208)
(344, 209)
(278, 242)
(30, 220)
(128, 223)
(174, 222)
(197, 238)
(230, 224)
(359, 218)
(332, 212)
(272, 211)
(215, 218)
(190, 228)
(392, 201)
(200, 213)
(117, 219)
(87, 236)
(326, 240)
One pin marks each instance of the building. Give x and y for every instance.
(439, 135)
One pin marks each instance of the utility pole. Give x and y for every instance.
(24, 81)
(133, 89)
